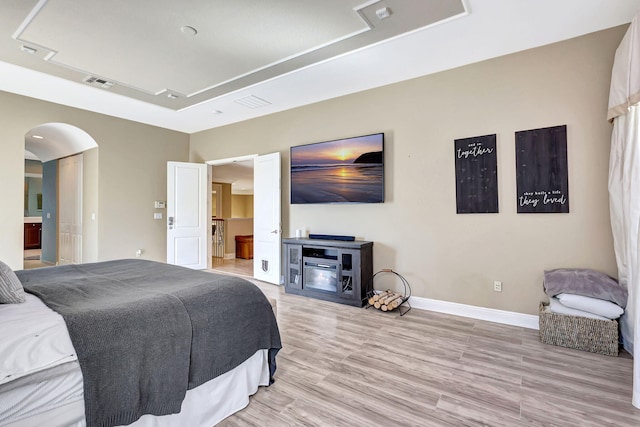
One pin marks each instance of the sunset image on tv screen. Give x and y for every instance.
(342, 171)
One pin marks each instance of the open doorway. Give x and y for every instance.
(49, 234)
(232, 210)
(189, 214)
(34, 196)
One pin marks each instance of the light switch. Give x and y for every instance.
(157, 215)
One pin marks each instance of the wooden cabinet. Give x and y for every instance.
(244, 247)
(331, 270)
(32, 235)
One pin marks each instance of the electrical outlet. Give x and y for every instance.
(497, 286)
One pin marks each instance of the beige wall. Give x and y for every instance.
(33, 166)
(235, 227)
(90, 205)
(225, 200)
(416, 231)
(131, 175)
(241, 206)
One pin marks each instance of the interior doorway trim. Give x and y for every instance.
(231, 160)
(49, 142)
(220, 162)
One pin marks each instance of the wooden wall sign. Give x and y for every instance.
(476, 175)
(541, 170)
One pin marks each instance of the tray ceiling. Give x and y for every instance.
(177, 54)
(205, 64)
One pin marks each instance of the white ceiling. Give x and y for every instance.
(179, 54)
(239, 174)
(50, 141)
(272, 55)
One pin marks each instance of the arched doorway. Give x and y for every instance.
(63, 150)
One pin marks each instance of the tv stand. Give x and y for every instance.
(331, 270)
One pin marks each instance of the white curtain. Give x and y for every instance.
(624, 196)
(624, 186)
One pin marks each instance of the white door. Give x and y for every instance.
(70, 210)
(266, 218)
(187, 219)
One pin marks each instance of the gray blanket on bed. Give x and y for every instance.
(145, 332)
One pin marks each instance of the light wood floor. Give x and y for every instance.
(236, 266)
(345, 366)
(32, 259)
(240, 267)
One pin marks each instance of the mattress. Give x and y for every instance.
(40, 393)
(41, 382)
(39, 370)
(34, 338)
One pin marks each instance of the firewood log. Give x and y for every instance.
(396, 303)
(376, 297)
(387, 299)
(381, 302)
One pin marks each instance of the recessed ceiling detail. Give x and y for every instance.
(252, 101)
(98, 82)
(28, 49)
(140, 47)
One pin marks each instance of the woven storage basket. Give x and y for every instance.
(581, 333)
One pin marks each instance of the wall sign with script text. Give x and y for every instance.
(541, 170)
(476, 175)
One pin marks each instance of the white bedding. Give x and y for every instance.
(40, 393)
(34, 338)
(41, 381)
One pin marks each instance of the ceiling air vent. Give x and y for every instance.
(98, 82)
(252, 101)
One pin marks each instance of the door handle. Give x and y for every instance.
(274, 231)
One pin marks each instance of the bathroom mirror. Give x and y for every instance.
(32, 195)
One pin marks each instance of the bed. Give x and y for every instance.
(132, 342)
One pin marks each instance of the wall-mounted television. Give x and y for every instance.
(349, 170)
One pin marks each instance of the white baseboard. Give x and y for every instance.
(481, 313)
(230, 255)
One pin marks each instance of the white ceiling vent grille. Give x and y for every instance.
(252, 101)
(98, 82)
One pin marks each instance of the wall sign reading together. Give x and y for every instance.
(476, 175)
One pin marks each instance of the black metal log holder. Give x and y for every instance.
(405, 297)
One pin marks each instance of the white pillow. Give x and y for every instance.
(11, 291)
(592, 305)
(555, 306)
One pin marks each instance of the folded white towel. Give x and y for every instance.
(555, 306)
(592, 305)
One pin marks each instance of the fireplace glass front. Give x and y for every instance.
(321, 276)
